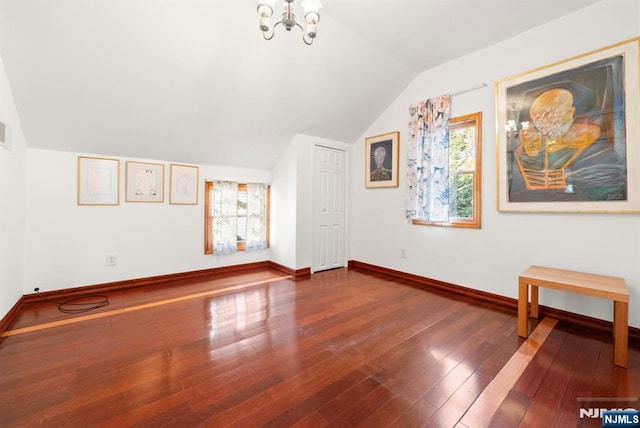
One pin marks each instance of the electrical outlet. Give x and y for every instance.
(112, 259)
(403, 253)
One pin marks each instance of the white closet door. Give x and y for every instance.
(329, 184)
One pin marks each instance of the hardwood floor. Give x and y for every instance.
(343, 348)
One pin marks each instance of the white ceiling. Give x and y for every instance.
(193, 81)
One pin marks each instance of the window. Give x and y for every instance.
(241, 220)
(236, 217)
(465, 141)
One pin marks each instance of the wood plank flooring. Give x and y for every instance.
(343, 348)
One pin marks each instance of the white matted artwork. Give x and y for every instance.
(98, 181)
(5, 137)
(145, 182)
(184, 185)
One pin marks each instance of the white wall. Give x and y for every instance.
(304, 203)
(283, 208)
(491, 258)
(67, 244)
(12, 201)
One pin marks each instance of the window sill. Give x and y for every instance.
(471, 224)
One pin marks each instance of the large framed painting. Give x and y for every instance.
(381, 160)
(568, 135)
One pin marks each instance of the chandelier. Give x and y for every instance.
(311, 12)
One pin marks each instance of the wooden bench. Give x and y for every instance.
(606, 287)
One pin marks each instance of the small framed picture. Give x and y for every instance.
(145, 182)
(98, 181)
(381, 160)
(184, 185)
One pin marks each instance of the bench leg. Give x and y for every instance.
(620, 332)
(534, 301)
(615, 317)
(523, 310)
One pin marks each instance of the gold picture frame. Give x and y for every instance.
(567, 135)
(184, 185)
(145, 182)
(98, 181)
(381, 160)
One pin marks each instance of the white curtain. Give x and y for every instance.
(256, 216)
(428, 160)
(224, 212)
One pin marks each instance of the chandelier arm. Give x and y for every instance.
(304, 39)
(273, 31)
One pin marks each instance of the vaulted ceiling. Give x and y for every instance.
(193, 81)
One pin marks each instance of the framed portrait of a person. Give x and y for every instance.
(381, 160)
